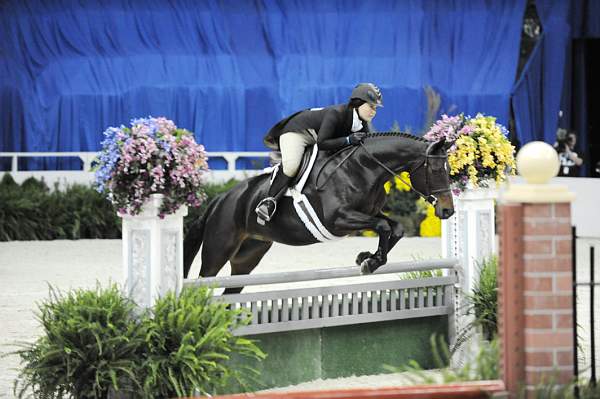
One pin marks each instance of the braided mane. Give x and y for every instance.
(396, 134)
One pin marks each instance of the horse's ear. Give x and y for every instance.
(439, 145)
(435, 147)
(448, 145)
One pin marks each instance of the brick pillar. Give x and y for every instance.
(510, 297)
(534, 293)
(535, 297)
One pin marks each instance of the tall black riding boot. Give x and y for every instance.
(267, 206)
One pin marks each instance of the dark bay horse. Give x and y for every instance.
(346, 191)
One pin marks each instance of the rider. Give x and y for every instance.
(332, 128)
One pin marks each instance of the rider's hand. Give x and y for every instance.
(356, 138)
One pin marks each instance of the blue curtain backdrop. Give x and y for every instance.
(585, 18)
(537, 93)
(528, 97)
(554, 78)
(579, 72)
(228, 70)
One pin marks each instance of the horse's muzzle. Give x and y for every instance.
(446, 213)
(444, 208)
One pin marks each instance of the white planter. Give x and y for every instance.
(469, 235)
(152, 253)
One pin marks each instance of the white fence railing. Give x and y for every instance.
(278, 310)
(86, 176)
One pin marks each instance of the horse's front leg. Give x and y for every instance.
(397, 231)
(395, 236)
(354, 220)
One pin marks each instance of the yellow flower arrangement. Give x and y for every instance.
(400, 185)
(431, 226)
(481, 151)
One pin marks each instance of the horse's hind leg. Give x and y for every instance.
(246, 259)
(217, 249)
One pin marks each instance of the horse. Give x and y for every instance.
(346, 190)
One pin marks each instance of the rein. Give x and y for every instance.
(432, 199)
(320, 188)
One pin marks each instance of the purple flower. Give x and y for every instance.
(153, 156)
(447, 128)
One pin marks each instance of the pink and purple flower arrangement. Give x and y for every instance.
(152, 156)
(481, 153)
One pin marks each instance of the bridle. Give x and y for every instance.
(429, 197)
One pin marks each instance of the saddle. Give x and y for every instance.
(305, 165)
(303, 208)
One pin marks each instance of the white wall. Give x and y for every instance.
(86, 177)
(585, 210)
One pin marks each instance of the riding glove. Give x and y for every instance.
(355, 138)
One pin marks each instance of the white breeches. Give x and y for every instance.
(292, 146)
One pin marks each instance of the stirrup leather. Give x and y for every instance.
(260, 209)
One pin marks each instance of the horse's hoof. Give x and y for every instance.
(368, 266)
(364, 268)
(362, 256)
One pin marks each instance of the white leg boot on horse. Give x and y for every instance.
(268, 206)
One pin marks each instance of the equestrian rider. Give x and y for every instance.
(332, 128)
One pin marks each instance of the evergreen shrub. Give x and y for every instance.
(31, 211)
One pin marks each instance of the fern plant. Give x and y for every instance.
(482, 303)
(484, 298)
(90, 344)
(190, 343)
(96, 343)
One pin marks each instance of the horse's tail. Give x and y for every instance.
(194, 237)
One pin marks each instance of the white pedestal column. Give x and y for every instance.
(152, 253)
(469, 235)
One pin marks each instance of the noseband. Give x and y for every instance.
(429, 197)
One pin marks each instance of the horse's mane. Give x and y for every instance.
(396, 134)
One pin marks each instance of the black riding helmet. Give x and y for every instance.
(369, 93)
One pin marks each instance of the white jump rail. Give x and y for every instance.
(316, 307)
(86, 176)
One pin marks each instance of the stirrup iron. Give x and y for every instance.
(262, 215)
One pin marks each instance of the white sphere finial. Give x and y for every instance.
(537, 162)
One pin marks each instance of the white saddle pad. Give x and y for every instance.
(302, 205)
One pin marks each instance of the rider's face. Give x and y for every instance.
(367, 112)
